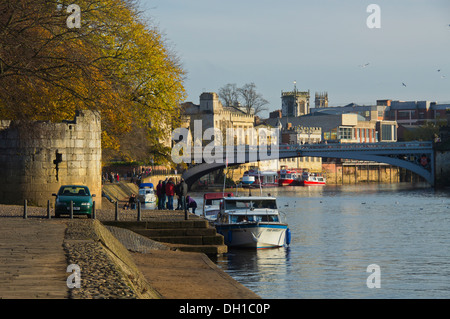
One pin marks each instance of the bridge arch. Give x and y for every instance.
(408, 155)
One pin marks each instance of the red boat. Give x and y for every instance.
(308, 179)
(287, 177)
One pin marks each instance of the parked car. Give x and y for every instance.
(79, 195)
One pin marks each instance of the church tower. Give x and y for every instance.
(294, 103)
(321, 99)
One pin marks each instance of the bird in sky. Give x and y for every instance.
(364, 65)
(404, 84)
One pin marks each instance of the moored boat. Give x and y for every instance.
(287, 177)
(211, 204)
(260, 178)
(247, 179)
(307, 179)
(251, 222)
(147, 193)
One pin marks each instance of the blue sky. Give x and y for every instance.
(319, 44)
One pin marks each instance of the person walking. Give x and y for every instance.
(163, 194)
(177, 192)
(183, 194)
(159, 194)
(170, 191)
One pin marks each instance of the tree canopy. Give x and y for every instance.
(245, 97)
(114, 63)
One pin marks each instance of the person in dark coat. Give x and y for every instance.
(183, 194)
(159, 193)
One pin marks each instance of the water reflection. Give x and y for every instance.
(337, 231)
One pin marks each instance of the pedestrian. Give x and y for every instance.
(183, 194)
(170, 191)
(177, 192)
(159, 194)
(191, 203)
(132, 201)
(164, 197)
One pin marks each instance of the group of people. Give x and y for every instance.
(167, 189)
(111, 177)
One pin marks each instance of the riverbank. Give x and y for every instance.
(114, 263)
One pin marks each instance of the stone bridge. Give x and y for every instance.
(417, 157)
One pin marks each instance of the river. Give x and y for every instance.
(338, 231)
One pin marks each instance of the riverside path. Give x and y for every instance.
(32, 259)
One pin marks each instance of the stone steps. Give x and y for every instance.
(195, 235)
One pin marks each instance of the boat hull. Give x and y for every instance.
(253, 235)
(310, 183)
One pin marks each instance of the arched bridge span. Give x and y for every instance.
(417, 157)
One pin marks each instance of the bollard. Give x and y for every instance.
(117, 211)
(186, 213)
(139, 211)
(71, 209)
(48, 209)
(25, 211)
(93, 210)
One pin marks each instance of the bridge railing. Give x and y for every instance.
(359, 146)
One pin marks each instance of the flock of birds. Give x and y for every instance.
(403, 83)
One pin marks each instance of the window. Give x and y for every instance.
(386, 132)
(345, 133)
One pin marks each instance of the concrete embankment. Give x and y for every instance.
(113, 262)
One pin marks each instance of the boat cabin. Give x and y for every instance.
(248, 209)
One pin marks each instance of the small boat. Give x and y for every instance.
(147, 193)
(307, 179)
(247, 179)
(287, 177)
(260, 178)
(251, 222)
(211, 204)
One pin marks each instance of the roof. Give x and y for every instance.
(249, 198)
(217, 195)
(142, 185)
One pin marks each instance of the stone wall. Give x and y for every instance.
(37, 158)
(360, 173)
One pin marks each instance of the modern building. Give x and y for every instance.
(408, 113)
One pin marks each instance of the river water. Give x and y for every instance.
(338, 231)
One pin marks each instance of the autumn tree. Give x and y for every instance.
(115, 63)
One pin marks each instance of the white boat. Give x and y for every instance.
(147, 193)
(211, 204)
(254, 178)
(248, 180)
(251, 222)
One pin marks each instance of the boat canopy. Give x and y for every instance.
(250, 203)
(217, 195)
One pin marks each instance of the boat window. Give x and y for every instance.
(265, 203)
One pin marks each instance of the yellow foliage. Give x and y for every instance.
(114, 63)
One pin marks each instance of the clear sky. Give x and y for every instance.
(320, 44)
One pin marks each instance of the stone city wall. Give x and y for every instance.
(39, 157)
